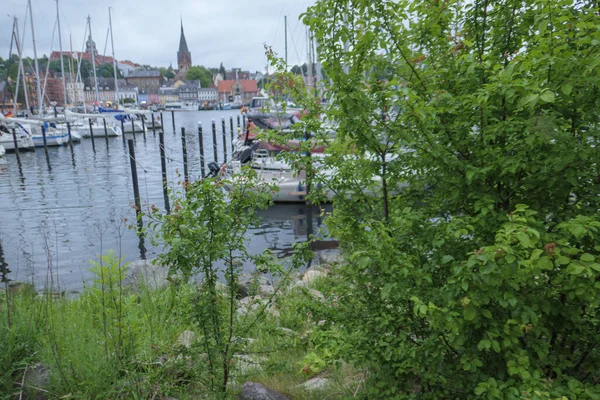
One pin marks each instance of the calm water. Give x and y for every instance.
(68, 208)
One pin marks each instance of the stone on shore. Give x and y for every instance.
(256, 391)
(144, 272)
(315, 384)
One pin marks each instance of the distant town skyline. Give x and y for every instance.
(145, 32)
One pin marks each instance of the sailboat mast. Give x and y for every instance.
(62, 63)
(72, 76)
(93, 61)
(37, 66)
(112, 44)
(286, 44)
(21, 72)
(309, 62)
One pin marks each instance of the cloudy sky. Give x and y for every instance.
(147, 31)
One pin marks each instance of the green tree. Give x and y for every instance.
(468, 211)
(166, 73)
(199, 73)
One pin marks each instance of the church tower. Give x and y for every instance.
(184, 57)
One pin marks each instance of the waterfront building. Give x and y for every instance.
(245, 90)
(208, 94)
(147, 80)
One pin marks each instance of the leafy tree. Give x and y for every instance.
(107, 71)
(468, 210)
(199, 73)
(166, 73)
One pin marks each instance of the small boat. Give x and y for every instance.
(24, 139)
(132, 123)
(54, 137)
(226, 106)
(97, 130)
(173, 105)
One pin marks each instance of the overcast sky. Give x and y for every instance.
(147, 31)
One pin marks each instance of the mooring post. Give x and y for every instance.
(214, 134)
(105, 131)
(123, 127)
(224, 140)
(136, 188)
(44, 138)
(133, 128)
(201, 144)
(153, 126)
(244, 122)
(185, 159)
(173, 119)
(144, 125)
(14, 135)
(231, 129)
(163, 167)
(91, 135)
(238, 124)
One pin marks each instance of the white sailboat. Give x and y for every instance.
(24, 139)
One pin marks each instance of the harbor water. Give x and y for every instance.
(59, 212)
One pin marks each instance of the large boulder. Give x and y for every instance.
(312, 275)
(146, 273)
(256, 391)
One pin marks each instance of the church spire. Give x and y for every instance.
(183, 48)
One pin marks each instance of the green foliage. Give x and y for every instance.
(199, 73)
(166, 73)
(450, 117)
(205, 234)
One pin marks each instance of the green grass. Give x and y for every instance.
(107, 343)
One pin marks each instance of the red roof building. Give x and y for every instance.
(244, 89)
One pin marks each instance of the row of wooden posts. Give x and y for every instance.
(163, 158)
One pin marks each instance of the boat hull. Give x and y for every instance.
(98, 131)
(24, 143)
(136, 128)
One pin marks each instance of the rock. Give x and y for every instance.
(36, 381)
(316, 294)
(315, 384)
(186, 338)
(329, 257)
(246, 363)
(266, 290)
(299, 284)
(286, 331)
(256, 391)
(250, 284)
(248, 304)
(313, 274)
(144, 272)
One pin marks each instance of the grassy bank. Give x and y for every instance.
(110, 342)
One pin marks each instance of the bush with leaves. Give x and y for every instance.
(488, 111)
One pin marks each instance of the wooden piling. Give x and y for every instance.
(144, 126)
(123, 127)
(44, 138)
(163, 167)
(201, 144)
(185, 159)
(16, 144)
(214, 134)
(231, 129)
(153, 126)
(173, 119)
(136, 188)
(91, 135)
(224, 140)
(105, 131)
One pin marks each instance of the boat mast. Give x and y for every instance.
(93, 62)
(72, 76)
(12, 40)
(309, 62)
(21, 72)
(62, 63)
(112, 44)
(37, 67)
(286, 47)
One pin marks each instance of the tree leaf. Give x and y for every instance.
(469, 312)
(547, 96)
(587, 257)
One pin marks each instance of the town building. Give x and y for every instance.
(208, 95)
(167, 94)
(184, 57)
(188, 92)
(75, 92)
(244, 90)
(147, 80)
(52, 88)
(237, 74)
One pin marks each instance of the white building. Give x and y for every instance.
(208, 94)
(75, 93)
